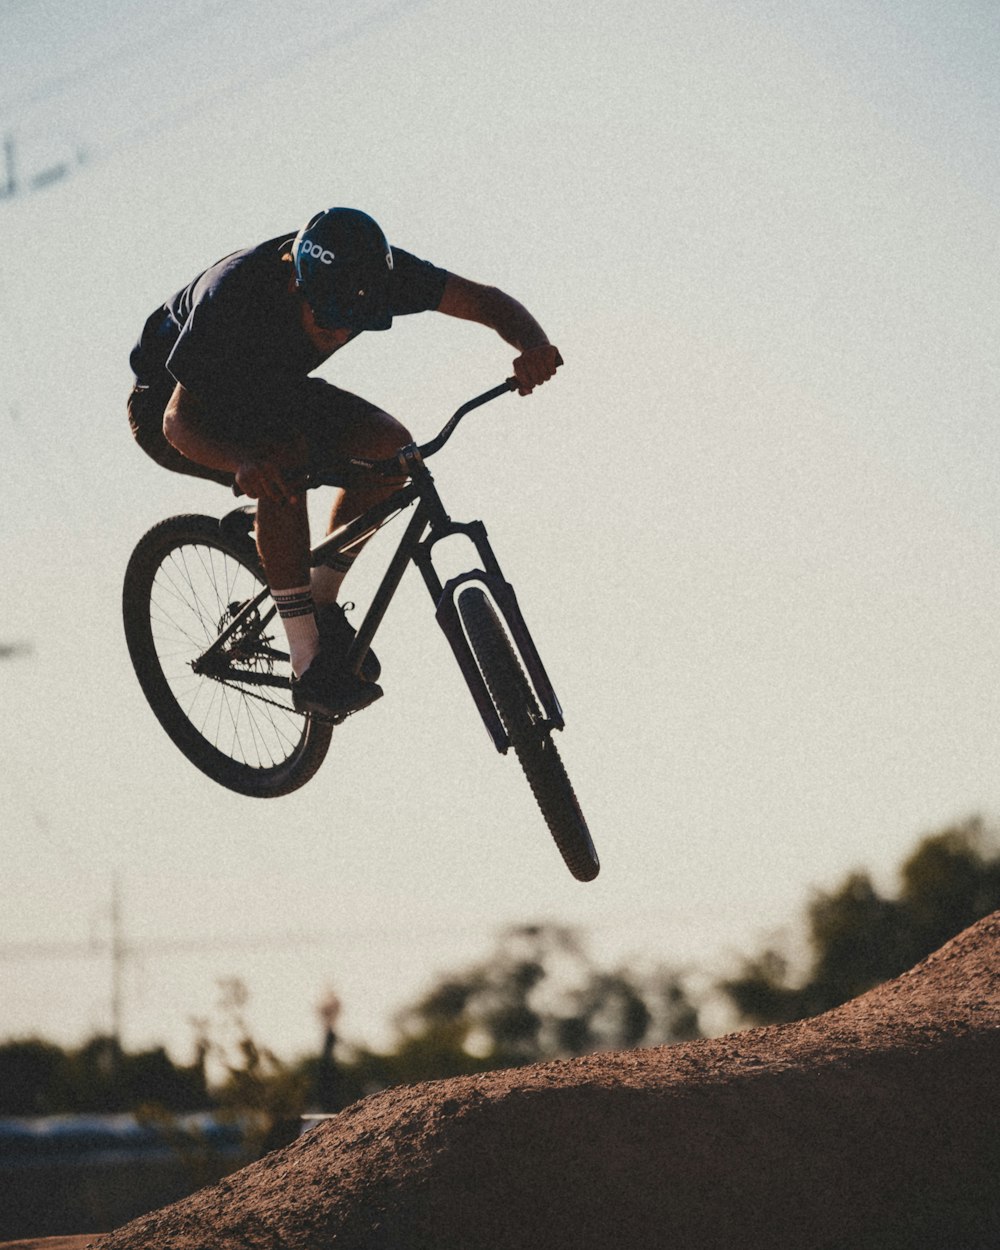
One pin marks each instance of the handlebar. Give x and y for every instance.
(392, 466)
(400, 463)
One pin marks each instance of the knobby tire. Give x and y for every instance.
(185, 580)
(529, 734)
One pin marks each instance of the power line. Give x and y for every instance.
(13, 952)
(294, 57)
(296, 54)
(128, 50)
(121, 951)
(118, 948)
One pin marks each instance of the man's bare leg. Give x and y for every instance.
(376, 439)
(283, 544)
(283, 539)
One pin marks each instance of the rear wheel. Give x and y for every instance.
(231, 715)
(529, 734)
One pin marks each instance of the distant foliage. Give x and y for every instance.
(858, 938)
(537, 996)
(34, 1078)
(38, 1078)
(263, 1092)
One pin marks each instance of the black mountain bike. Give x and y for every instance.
(208, 649)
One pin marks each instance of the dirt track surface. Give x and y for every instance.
(875, 1125)
(49, 1243)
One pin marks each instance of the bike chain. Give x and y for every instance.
(262, 698)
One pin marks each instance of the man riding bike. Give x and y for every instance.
(223, 392)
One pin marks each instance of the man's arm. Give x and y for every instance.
(491, 307)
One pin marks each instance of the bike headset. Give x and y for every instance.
(343, 267)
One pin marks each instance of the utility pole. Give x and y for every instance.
(8, 187)
(119, 954)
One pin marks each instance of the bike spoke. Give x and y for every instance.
(190, 602)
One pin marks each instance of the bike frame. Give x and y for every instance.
(429, 525)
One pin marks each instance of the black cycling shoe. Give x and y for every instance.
(328, 690)
(336, 633)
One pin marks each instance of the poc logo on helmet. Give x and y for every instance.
(309, 248)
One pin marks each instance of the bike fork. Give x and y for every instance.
(501, 592)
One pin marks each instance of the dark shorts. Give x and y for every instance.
(327, 417)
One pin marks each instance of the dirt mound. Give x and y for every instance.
(875, 1125)
(49, 1243)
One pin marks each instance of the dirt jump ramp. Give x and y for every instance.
(875, 1125)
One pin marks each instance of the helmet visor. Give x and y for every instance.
(350, 299)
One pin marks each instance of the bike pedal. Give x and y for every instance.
(338, 719)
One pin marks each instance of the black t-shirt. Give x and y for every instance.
(233, 335)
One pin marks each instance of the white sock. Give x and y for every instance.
(327, 579)
(298, 615)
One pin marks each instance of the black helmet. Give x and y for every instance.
(343, 264)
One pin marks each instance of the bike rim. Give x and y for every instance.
(195, 592)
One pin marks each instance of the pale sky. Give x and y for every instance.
(753, 523)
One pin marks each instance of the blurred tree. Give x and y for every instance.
(325, 1081)
(858, 939)
(103, 1077)
(952, 880)
(40, 1078)
(537, 996)
(34, 1078)
(260, 1090)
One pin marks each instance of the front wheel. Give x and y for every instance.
(528, 732)
(230, 714)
